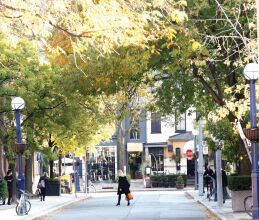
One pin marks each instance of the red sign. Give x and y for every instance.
(189, 154)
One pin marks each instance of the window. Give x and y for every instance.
(178, 152)
(134, 134)
(178, 158)
(134, 129)
(157, 158)
(170, 148)
(180, 123)
(155, 123)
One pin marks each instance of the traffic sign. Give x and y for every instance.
(189, 154)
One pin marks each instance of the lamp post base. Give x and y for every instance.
(255, 189)
(21, 184)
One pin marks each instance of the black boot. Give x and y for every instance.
(119, 200)
(128, 202)
(3, 202)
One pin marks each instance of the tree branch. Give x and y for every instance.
(214, 95)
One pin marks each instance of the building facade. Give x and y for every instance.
(160, 142)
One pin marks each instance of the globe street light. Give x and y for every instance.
(17, 105)
(251, 73)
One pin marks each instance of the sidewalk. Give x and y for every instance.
(40, 209)
(223, 213)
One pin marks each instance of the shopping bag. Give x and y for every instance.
(129, 196)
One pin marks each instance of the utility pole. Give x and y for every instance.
(200, 164)
(219, 179)
(74, 173)
(195, 162)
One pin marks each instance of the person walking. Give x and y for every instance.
(42, 186)
(208, 178)
(123, 187)
(224, 185)
(9, 179)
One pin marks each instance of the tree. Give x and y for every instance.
(101, 24)
(206, 60)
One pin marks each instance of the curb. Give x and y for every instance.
(58, 208)
(212, 211)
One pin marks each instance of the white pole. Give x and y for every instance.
(200, 163)
(257, 23)
(219, 179)
(74, 173)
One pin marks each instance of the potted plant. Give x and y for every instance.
(53, 187)
(240, 187)
(179, 182)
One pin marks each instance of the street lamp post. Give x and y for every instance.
(17, 105)
(251, 73)
(200, 164)
(195, 133)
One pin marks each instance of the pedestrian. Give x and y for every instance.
(9, 179)
(208, 175)
(224, 185)
(123, 187)
(42, 186)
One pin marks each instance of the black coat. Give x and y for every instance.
(123, 186)
(45, 179)
(9, 179)
(208, 174)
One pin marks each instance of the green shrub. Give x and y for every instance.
(179, 180)
(236, 183)
(55, 180)
(3, 189)
(167, 180)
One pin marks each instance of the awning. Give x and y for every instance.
(133, 147)
(161, 144)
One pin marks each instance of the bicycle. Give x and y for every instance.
(248, 205)
(24, 206)
(91, 186)
(210, 189)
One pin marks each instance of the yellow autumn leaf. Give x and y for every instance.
(196, 45)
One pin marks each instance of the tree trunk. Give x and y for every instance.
(122, 134)
(28, 174)
(244, 163)
(59, 164)
(51, 165)
(15, 182)
(2, 172)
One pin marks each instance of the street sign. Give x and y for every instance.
(189, 154)
(205, 150)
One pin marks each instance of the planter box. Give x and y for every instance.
(53, 189)
(238, 199)
(252, 134)
(179, 186)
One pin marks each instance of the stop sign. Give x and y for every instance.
(189, 154)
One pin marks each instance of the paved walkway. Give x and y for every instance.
(39, 209)
(224, 212)
(54, 203)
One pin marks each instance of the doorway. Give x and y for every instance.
(135, 160)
